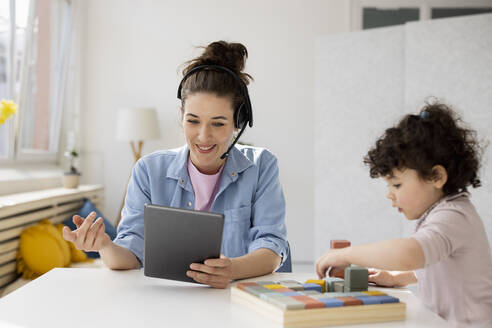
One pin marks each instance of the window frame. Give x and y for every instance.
(424, 6)
(16, 154)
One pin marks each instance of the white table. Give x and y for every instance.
(105, 298)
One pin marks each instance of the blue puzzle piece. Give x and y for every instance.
(290, 293)
(310, 286)
(331, 302)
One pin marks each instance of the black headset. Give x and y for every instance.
(242, 114)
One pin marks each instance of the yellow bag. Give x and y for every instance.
(43, 248)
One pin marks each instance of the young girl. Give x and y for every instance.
(428, 161)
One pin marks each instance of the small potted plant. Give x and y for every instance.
(71, 178)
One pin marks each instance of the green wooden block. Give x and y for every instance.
(356, 278)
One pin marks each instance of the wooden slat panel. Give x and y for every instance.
(60, 218)
(23, 202)
(20, 211)
(12, 233)
(8, 268)
(39, 205)
(7, 279)
(9, 245)
(7, 257)
(18, 220)
(15, 232)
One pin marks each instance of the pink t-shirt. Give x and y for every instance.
(456, 281)
(205, 186)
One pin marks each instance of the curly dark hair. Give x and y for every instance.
(419, 142)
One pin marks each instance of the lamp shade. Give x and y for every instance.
(136, 124)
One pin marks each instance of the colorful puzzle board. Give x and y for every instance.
(306, 305)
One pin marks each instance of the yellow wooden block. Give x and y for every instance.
(276, 286)
(375, 293)
(320, 282)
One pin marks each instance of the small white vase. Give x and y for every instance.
(70, 180)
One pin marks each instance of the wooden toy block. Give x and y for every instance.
(310, 303)
(292, 284)
(351, 290)
(284, 290)
(318, 309)
(241, 285)
(283, 282)
(388, 299)
(349, 300)
(329, 295)
(298, 288)
(374, 293)
(334, 295)
(339, 243)
(337, 272)
(266, 283)
(274, 286)
(367, 300)
(320, 282)
(310, 292)
(338, 286)
(312, 287)
(331, 302)
(294, 293)
(257, 290)
(356, 278)
(284, 302)
(329, 283)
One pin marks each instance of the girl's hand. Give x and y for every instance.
(332, 258)
(90, 235)
(381, 278)
(213, 272)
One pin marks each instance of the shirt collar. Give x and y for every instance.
(236, 163)
(440, 201)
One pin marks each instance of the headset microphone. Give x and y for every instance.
(226, 154)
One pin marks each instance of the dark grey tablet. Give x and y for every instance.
(175, 238)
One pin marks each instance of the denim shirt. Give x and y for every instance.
(250, 197)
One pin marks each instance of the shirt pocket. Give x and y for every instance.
(235, 238)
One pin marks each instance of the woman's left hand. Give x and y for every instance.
(213, 272)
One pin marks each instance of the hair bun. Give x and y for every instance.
(230, 55)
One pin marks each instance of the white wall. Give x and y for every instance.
(392, 72)
(359, 92)
(131, 53)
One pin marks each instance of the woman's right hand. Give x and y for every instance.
(90, 235)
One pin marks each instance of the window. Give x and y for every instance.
(368, 14)
(35, 39)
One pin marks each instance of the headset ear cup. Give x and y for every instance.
(239, 116)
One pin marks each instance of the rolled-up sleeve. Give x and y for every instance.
(444, 232)
(131, 228)
(268, 211)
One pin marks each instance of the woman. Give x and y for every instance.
(210, 173)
